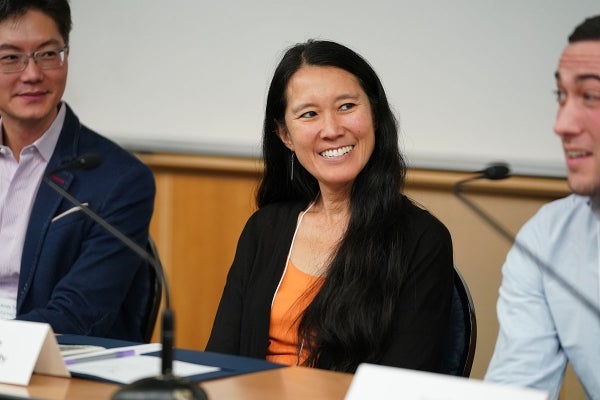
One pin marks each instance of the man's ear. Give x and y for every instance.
(283, 134)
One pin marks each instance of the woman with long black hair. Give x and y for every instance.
(337, 267)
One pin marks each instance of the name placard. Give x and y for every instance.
(383, 383)
(27, 347)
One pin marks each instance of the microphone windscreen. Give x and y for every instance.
(496, 171)
(88, 161)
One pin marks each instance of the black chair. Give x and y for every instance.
(156, 295)
(461, 336)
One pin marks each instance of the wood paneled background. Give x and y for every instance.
(203, 202)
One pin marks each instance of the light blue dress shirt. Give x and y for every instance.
(543, 321)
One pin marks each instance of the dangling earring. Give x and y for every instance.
(292, 167)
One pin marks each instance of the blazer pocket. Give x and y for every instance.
(69, 211)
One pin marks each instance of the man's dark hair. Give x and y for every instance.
(587, 30)
(58, 10)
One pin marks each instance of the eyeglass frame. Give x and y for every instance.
(24, 58)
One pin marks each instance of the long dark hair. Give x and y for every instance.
(350, 319)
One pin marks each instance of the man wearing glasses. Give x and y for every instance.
(56, 265)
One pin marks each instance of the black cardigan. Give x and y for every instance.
(241, 326)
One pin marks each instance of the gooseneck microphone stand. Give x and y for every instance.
(167, 385)
(501, 171)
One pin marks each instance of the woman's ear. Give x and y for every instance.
(283, 134)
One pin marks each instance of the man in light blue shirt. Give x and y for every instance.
(549, 311)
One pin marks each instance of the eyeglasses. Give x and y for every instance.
(45, 59)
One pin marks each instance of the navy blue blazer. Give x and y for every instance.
(74, 274)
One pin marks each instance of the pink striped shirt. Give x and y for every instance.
(19, 183)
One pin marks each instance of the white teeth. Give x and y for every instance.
(576, 154)
(337, 152)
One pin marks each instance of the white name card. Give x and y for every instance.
(387, 383)
(27, 347)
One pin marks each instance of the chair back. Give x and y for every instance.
(461, 336)
(155, 297)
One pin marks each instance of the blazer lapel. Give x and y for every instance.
(46, 203)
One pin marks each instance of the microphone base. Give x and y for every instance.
(162, 387)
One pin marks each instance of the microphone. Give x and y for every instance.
(494, 171)
(167, 385)
(497, 171)
(86, 161)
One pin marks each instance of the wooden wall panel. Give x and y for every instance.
(198, 217)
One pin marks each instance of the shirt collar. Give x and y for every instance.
(47, 142)
(594, 204)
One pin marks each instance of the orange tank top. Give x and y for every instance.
(296, 291)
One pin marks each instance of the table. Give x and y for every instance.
(285, 383)
(292, 383)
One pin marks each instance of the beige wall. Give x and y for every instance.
(203, 202)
